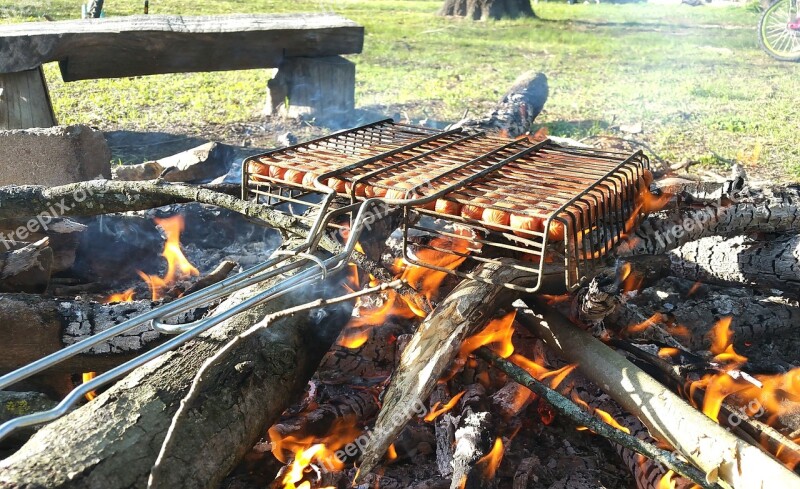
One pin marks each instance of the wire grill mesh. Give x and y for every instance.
(469, 197)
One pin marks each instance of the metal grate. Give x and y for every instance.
(467, 197)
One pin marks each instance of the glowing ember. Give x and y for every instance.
(492, 460)
(178, 267)
(437, 411)
(126, 296)
(668, 352)
(86, 377)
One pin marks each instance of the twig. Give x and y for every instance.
(580, 417)
(216, 275)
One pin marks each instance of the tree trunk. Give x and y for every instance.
(487, 9)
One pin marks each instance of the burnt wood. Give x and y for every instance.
(157, 44)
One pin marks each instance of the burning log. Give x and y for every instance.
(720, 455)
(74, 451)
(689, 310)
(732, 213)
(431, 352)
(227, 408)
(34, 326)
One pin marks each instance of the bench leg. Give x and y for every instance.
(317, 87)
(25, 100)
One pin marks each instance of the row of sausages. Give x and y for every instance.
(500, 217)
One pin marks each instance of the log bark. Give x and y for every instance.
(513, 115)
(243, 389)
(762, 210)
(487, 9)
(772, 264)
(157, 44)
(76, 451)
(678, 302)
(719, 454)
(432, 350)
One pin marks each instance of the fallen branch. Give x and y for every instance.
(580, 417)
(722, 456)
(26, 269)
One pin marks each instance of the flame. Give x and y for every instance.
(356, 332)
(608, 419)
(695, 287)
(667, 481)
(668, 352)
(437, 411)
(541, 373)
(126, 296)
(498, 332)
(630, 281)
(178, 267)
(721, 338)
(426, 280)
(391, 452)
(308, 450)
(646, 324)
(492, 459)
(86, 377)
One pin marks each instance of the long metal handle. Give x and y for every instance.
(226, 287)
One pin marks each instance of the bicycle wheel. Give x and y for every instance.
(779, 31)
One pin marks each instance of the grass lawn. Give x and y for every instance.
(692, 76)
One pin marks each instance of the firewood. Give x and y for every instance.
(431, 352)
(26, 269)
(513, 115)
(675, 302)
(75, 450)
(217, 275)
(768, 264)
(473, 440)
(720, 455)
(762, 210)
(577, 415)
(243, 388)
(34, 326)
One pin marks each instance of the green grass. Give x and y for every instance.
(693, 76)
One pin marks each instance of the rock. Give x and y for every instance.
(196, 165)
(53, 156)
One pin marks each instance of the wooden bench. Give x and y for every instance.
(305, 48)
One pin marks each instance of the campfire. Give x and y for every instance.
(449, 309)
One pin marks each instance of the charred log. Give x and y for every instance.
(75, 451)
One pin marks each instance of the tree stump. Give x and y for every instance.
(487, 9)
(320, 87)
(25, 100)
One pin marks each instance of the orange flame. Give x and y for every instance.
(437, 411)
(426, 280)
(667, 481)
(86, 377)
(308, 450)
(498, 331)
(356, 332)
(630, 281)
(668, 352)
(178, 267)
(391, 452)
(126, 296)
(722, 343)
(492, 459)
(608, 419)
